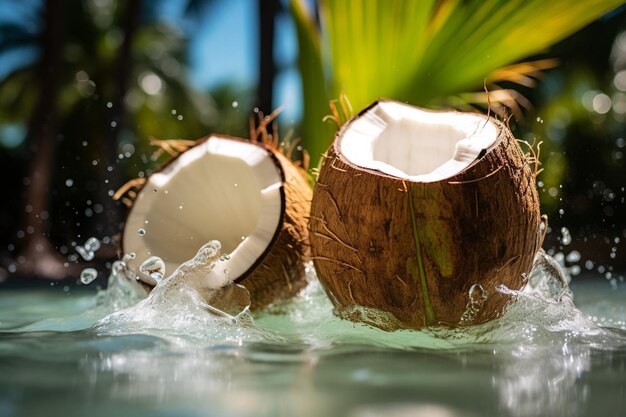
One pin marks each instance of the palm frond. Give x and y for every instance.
(419, 51)
(430, 52)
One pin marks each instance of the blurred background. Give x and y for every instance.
(85, 85)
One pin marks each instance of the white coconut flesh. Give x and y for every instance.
(221, 189)
(416, 145)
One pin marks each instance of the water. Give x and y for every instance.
(117, 352)
(154, 267)
(88, 275)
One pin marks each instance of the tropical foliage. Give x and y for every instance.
(430, 52)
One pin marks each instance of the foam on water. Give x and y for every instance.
(185, 309)
(182, 308)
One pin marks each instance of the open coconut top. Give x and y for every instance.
(221, 189)
(413, 144)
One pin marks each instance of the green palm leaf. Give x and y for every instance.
(423, 51)
(316, 133)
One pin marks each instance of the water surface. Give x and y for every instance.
(78, 353)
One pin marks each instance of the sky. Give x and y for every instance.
(225, 50)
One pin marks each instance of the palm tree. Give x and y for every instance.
(68, 108)
(42, 137)
(267, 68)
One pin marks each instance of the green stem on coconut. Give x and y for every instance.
(430, 314)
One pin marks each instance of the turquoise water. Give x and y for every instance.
(74, 352)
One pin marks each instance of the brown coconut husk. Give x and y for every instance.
(414, 250)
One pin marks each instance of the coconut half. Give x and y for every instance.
(245, 195)
(422, 215)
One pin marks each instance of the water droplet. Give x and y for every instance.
(566, 238)
(153, 267)
(549, 278)
(69, 182)
(477, 296)
(109, 104)
(88, 275)
(235, 104)
(477, 292)
(92, 244)
(118, 267)
(224, 257)
(573, 256)
(87, 255)
(132, 255)
(141, 232)
(180, 207)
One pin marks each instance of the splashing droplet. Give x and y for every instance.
(88, 275)
(154, 267)
(573, 256)
(477, 297)
(119, 267)
(87, 255)
(156, 276)
(547, 279)
(92, 244)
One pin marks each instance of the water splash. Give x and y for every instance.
(190, 309)
(88, 275)
(154, 267)
(87, 255)
(123, 290)
(171, 345)
(477, 297)
(92, 244)
(547, 280)
(186, 305)
(89, 249)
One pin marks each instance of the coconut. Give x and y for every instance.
(418, 217)
(246, 195)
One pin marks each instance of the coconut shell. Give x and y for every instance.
(279, 271)
(413, 250)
